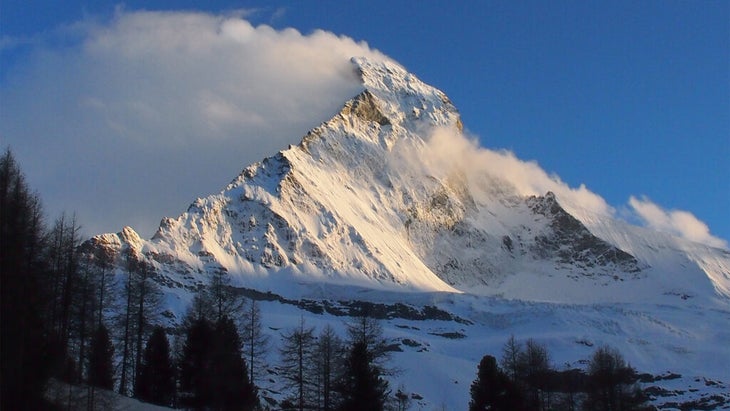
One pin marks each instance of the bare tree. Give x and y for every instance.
(125, 318)
(369, 331)
(141, 304)
(510, 357)
(147, 307)
(328, 358)
(256, 342)
(534, 366)
(612, 383)
(222, 297)
(296, 354)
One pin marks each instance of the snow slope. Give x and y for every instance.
(361, 210)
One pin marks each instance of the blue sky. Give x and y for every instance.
(628, 98)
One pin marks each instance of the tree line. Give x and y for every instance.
(217, 369)
(524, 379)
(64, 312)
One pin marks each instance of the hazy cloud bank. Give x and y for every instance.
(678, 222)
(141, 114)
(447, 151)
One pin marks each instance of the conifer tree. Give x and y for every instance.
(369, 331)
(24, 357)
(511, 353)
(328, 360)
(362, 386)
(492, 389)
(156, 382)
(255, 341)
(101, 368)
(213, 373)
(534, 369)
(148, 297)
(195, 365)
(231, 388)
(296, 359)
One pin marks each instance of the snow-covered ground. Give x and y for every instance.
(439, 358)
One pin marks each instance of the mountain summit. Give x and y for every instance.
(380, 207)
(362, 201)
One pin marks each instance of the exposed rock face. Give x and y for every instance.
(571, 243)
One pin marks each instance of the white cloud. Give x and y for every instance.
(141, 114)
(677, 222)
(447, 150)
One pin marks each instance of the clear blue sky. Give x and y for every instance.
(629, 98)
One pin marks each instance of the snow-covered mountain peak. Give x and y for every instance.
(362, 212)
(402, 96)
(353, 203)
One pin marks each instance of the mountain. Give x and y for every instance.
(366, 209)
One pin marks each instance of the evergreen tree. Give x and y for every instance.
(493, 390)
(195, 365)
(362, 386)
(25, 355)
(101, 369)
(213, 373)
(231, 388)
(156, 382)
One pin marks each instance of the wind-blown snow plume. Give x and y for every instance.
(677, 222)
(448, 151)
(527, 177)
(139, 115)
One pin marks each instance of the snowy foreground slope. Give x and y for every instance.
(369, 207)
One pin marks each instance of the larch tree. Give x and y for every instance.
(612, 383)
(255, 341)
(296, 353)
(328, 360)
(510, 361)
(534, 370)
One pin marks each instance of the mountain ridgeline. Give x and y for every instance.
(348, 206)
(372, 214)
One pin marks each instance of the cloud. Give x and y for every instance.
(677, 222)
(128, 120)
(448, 150)
(491, 172)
